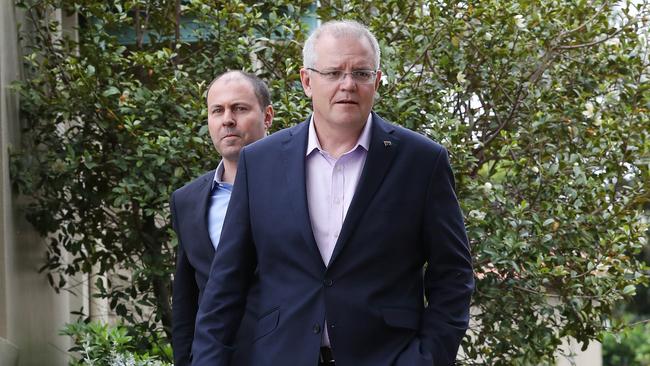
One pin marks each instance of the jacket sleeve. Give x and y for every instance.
(184, 300)
(448, 278)
(224, 299)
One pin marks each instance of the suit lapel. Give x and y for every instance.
(382, 150)
(201, 219)
(294, 148)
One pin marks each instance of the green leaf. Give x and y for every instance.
(629, 290)
(110, 91)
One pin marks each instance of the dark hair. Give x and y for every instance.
(259, 86)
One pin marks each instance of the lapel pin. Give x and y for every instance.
(387, 143)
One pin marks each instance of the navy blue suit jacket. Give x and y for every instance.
(189, 209)
(403, 238)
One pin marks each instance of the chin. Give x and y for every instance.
(348, 120)
(230, 151)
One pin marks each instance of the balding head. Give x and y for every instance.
(259, 86)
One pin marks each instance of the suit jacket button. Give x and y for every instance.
(328, 282)
(316, 328)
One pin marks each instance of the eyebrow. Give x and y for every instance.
(235, 104)
(359, 66)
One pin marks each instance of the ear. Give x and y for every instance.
(378, 80)
(268, 116)
(305, 78)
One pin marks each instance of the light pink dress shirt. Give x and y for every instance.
(330, 187)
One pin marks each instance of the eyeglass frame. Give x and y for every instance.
(325, 73)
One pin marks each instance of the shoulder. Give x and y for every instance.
(275, 141)
(409, 139)
(193, 186)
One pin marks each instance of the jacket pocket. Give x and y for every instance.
(401, 318)
(267, 323)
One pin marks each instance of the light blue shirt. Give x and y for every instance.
(219, 198)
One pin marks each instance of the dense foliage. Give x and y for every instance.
(543, 106)
(97, 344)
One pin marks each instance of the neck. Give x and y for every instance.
(337, 141)
(229, 171)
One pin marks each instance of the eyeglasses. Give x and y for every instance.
(360, 76)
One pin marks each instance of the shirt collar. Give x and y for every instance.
(314, 143)
(218, 175)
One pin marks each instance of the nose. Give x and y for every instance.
(228, 118)
(347, 82)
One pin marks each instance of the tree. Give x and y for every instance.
(543, 106)
(113, 126)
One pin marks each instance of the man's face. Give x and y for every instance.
(235, 118)
(344, 103)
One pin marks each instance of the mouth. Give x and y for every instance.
(346, 101)
(229, 135)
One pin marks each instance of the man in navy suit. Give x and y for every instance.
(239, 112)
(349, 227)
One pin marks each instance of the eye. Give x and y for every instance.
(217, 110)
(240, 108)
(362, 74)
(332, 74)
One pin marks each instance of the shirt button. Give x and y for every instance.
(328, 282)
(316, 328)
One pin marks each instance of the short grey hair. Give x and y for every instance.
(338, 29)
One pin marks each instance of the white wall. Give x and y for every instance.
(592, 356)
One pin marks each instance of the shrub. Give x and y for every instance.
(98, 344)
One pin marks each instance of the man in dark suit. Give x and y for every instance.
(239, 112)
(353, 227)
